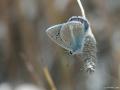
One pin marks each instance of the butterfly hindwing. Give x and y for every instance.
(54, 33)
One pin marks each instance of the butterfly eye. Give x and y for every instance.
(81, 20)
(86, 25)
(72, 19)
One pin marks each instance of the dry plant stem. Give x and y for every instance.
(31, 69)
(49, 78)
(81, 7)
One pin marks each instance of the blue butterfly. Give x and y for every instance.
(71, 35)
(76, 36)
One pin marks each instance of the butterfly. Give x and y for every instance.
(70, 35)
(76, 36)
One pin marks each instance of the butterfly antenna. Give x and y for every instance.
(81, 7)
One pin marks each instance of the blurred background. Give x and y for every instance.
(29, 60)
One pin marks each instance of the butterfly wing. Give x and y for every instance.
(72, 34)
(54, 33)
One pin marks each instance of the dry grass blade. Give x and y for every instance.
(49, 79)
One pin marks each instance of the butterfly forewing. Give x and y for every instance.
(54, 33)
(72, 34)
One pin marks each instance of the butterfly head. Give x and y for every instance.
(82, 20)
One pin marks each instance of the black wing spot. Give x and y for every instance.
(57, 35)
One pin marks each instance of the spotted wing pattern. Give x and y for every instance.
(54, 34)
